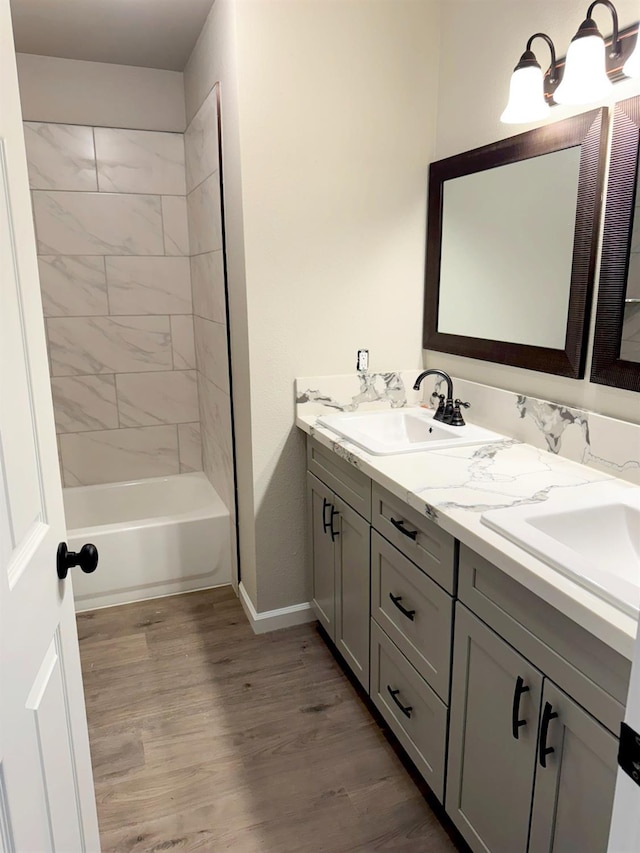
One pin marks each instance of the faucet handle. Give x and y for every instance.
(439, 415)
(457, 419)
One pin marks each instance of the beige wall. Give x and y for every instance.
(335, 118)
(337, 121)
(468, 116)
(96, 93)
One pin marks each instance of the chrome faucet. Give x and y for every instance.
(448, 411)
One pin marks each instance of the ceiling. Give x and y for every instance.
(148, 33)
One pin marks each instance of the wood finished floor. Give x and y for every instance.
(206, 737)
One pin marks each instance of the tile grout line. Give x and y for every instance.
(106, 285)
(115, 385)
(95, 158)
(200, 183)
(108, 192)
(112, 372)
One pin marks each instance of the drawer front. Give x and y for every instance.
(423, 733)
(423, 632)
(422, 541)
(347, 482)
(591, 672)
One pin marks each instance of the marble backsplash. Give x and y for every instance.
(606, 444)
(110, 211)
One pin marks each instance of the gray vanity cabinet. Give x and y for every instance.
(495, 703)
(352, 557)
(529, 769)
(322, 550)
(340, 555)
(573, 794)
(514, 729)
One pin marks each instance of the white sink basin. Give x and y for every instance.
(592, 536)
(403, 431)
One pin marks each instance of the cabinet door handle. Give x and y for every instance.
(406, 709)
(516, 722)
(334, 533)
(399, 525)
(547, 715)
(410, 614)
(325, 505)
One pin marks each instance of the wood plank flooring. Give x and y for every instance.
(205, 737)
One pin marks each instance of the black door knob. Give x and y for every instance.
(86, 558)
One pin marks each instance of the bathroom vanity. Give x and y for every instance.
(509, 708)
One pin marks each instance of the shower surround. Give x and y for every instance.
(113, 244)
(209, 296)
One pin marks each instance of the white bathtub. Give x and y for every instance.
(154, 537)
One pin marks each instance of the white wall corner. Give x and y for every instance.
(274, 620)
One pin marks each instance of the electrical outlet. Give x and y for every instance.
(362, 363)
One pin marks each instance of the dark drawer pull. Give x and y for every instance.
(406, 709)
(547, 715)
(334, 533)
(410, 614)
(516, 722)
(325, 505)
(399, 525)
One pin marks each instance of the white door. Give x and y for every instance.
(625, 823)
(47, 799)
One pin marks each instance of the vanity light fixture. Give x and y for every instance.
(585, 74)
(526, 89)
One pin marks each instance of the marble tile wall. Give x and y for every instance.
(209, 301)
(112, 232)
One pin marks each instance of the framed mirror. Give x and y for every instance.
(616, 344)
(511, 247)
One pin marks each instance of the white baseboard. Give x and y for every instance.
(273, 620)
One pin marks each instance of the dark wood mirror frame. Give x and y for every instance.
(607, 368)
(586, 130)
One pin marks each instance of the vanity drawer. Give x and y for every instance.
(423, 542)
(423, 634)
(422, 730)
(594, 674)
(347, 482)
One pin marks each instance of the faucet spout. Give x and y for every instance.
(435, 372)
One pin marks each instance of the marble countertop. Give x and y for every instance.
(455, 486)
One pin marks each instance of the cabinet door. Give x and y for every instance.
(573, 795)
(352, 589)
(321, 553)
(491, 758)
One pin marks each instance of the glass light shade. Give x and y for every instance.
(632, 66)
(526, 97)
(585, 73)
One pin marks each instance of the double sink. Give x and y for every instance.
(591, 534)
